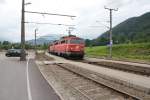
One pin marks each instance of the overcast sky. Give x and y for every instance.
(87, 12)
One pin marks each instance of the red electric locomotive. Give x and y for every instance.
(68, 46)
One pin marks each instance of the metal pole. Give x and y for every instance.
(69, 32)
(23, 54)
(110, 35)
(35, 41)
(70, 29)
(110, 31)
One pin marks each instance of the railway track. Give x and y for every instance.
(84, 88)
(126, 91)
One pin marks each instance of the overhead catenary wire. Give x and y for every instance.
(48, 23)
(43, 13)
(103, 24)
(23, 54)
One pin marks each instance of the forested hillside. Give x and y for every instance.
(132, 30)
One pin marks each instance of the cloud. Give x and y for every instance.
(2, 1)
(118, 3)
(87, 12)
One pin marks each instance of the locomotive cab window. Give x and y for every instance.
(62, 42)
(56, 43)
(77, 41)
(67, 41)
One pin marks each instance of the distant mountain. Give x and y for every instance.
(45, 39)
(136, 29)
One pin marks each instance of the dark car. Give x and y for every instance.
(13, 53)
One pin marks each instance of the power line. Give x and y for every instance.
(103, 24)
(23, 53)
(47, 23)
(98, 27)
(43, 13)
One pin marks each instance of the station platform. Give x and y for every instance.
(120, 62)
(140, 68)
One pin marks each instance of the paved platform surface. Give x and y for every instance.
(14, 84)
(131, 78)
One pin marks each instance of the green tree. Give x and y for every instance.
(6, 43)
(87, 42)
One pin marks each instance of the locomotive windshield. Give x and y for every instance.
(77, 41)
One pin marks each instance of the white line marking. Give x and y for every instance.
(28, 83)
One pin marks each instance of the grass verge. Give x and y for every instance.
(136, 52)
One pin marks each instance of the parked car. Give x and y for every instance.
(13, 53)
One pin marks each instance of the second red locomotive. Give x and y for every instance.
(68, 46)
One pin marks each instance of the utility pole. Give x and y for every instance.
(35, 40)
(23, 53)
(69, 30)
(110, 31)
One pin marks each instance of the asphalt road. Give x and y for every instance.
(23, 81)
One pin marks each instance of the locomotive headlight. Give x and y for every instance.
(77, 47)
(71, 48)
